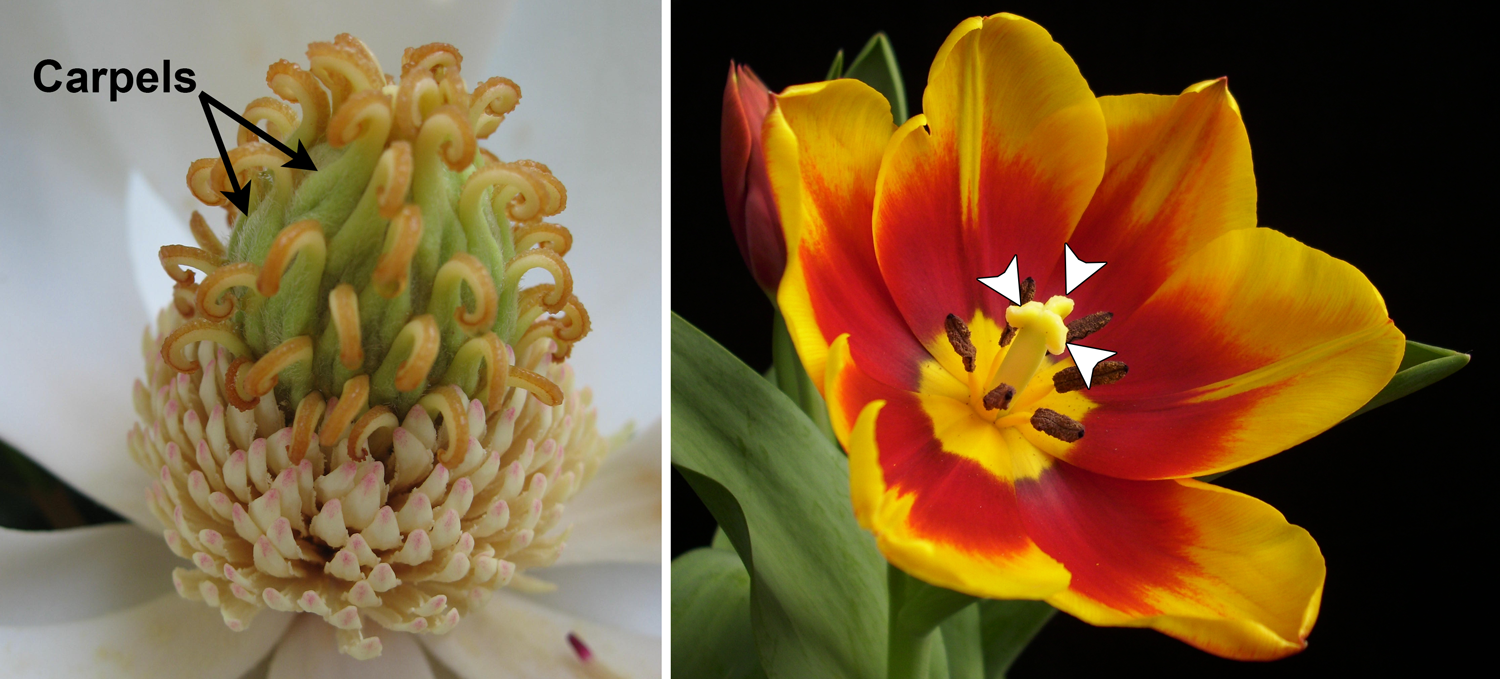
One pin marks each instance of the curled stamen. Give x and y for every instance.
(491, 350)
(450, 402)
(235, 384)
(466, 268)
(542, 258)
(1056, 425)
(379, 417)
(557, 194)
(200, 181)
(392, 178)
(566, 330)
(293, 84)
(205, 237)
(958, 336)
(303, 423)
(999, 397)
(401, 240)
(1088, 325)
(355, 398)
(540, 387)
(455, 91)
(344, 68)
(437, 58)
(174, 257)
(280, 119)
(1028, 290)
(416, 99)
(304, 238)
(422, 333)
(183, 293)
(343, 306)
(210, 298)
(514, 187)
(492, 100)
(367, 115)
(446, 132)
(553, 236)
(173, 346)
(263, 374)
(1105, 372)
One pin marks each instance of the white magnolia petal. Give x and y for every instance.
(164, 638)
(49, 577)
(73, 323)
(623, 595)
(512, 638)
(567, 57)
(310, 650)
(617, 516)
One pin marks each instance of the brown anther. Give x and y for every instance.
(1008, 334)
(1028, 290)
(999, 397)
(1056, 425)
(1088, 325)
(958, 336)
(1105, 372)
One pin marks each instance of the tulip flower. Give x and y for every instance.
(977, 456)
(99, 600)
(747, 191)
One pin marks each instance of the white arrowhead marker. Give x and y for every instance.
(1007, 284)
(1086, 358)
(1078, 270)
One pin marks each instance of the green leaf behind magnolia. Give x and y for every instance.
(780, 491)
(711, 607)
(876, 66)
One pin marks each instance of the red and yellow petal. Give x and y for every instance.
(1218, 569)
(1178, 175)
(936, 486)
(1253, 345)
(823, 145)
(1013, 147)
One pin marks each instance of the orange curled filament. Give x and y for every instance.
(210, 295)
(263, 374)
(293, 84)
(552, 236)
(249, 159)
(306, 420)
(492, 100)
(366, 114)
(345, 66)
(512, 185)
(280, 119)
(343, 306)
(201, 183)
(379, 417)
(446, 132)
(557, 194)
(183, 293)
(303, 238)
(199, 330)
(466, 268)
(205, 236)
(422, 333)
(449, 401)
(392, 178)
(394, 266)
(491, 350)
(234, 384)
(542, 258)
(566, 330)
(355, 398)
(174, 257)
(416, 98)
(436, 58)
(540, 387)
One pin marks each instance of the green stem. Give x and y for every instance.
(792, 379)
(917, 609)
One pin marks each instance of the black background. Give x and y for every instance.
(1371, 142)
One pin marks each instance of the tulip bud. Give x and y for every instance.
(747, 189)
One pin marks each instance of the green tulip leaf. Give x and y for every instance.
(876, 66)
(963, 643)
(1422, 366)
(780, 491)
(721, 540)
(1005, 628)
(711, 617)
(836, 70)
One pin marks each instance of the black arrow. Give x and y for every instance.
(240, 196)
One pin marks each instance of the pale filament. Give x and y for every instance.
(401, 239)
(366, 115)
(493, 99)
(446, 132)
(173, 347)
(421, 333)
(280, 119)
(467, 268)
(449, 401)
(489, 157)
(542, 258)
(455, 92)
(304, 239)
(349, 40)
(377, 418)
(304, 423)
(343, 306)
(552, 236)
(210, 298)
(392, 178)
(491, 350)
(295, 85)
(436, 58)
(263, 374)
(205, 236)
(183, 293)
(351, 403)
(234, 381)
(510, 183)
(417, 97)
(344, 68)
(540, 387)
(174, 257)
